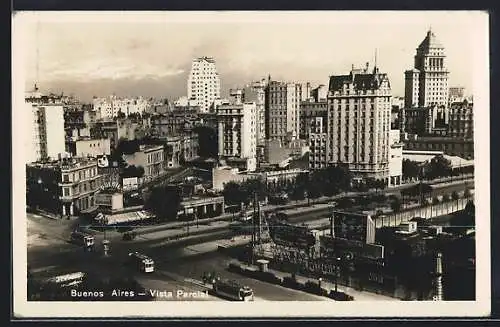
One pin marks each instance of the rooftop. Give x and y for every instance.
(430, 42)
(65, 163)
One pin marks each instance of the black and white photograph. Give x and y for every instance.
(311, 164)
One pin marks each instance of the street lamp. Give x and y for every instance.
(337, 266)
(105, 241)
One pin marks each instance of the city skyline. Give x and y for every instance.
(131, 57)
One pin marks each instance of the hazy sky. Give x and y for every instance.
(150, 54)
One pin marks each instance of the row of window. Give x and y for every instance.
(80, 175)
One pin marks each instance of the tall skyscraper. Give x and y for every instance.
(427, 83)
(283, 109)
(256, 92)
(359, 121)
(203, 84)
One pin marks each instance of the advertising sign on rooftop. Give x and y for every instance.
(353, 226)
(290, 235)
(340, 248)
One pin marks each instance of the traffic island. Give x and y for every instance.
(263, 274)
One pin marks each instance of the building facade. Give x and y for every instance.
(256, 92)
(427, 83)
(67, 186)
(461, 122)
(359, 113)
(173, 123)
(46, 136)
(203, 86)
(318, 137)
(149, 157)
(451, 146)
(89, 147)
(423, 120)
(395, 158)
(309, 111)
(283, 110)
(237, 135)
(111, 106)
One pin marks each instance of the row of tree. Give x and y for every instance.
(437, 167)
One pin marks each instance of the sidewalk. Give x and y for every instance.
(358, 295)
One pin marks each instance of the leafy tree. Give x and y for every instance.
(454, 195)
(251, 186)
(439, 166)
(411, 169)
(127, 146)
(164, 202)
(233, 194)
(207, 141)
(132, 171)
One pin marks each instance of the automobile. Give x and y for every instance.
(129, 236)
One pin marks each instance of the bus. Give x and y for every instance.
(83, 239)
(142, 262)
(233, 290)
(67, 280)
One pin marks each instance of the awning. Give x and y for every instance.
(128, 217)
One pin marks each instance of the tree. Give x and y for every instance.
(454, 195)
(164, 202)
(207, 141)
(233, 194)
(439, 166)
(132, 171)
(396, 205)
(251, 186)
(411, 169)
(127, 146)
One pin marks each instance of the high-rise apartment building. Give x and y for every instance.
(256, 92)
(203, 86)
(359, 121)
(427, 83)
(283, 109)
(46, 135)
(461, 122)
(237, 132)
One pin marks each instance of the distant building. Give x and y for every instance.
(256, 92)
(117, 129)
(309, 111)
(237, 133)
(320, 93)
(452, 146)
(424, 121)
(111, 106)
(395, 158)
(67, 186)
(179, 149)
(46, 137)
(318, 138)
(461, 122)
(456, 94)
(89, 147)
(278, 153)
(359, 113)
(173, 123)
(283, 109)
(149, 157)
(79, 122)
(203, 85)
(427, 83)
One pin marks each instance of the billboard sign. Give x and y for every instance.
(339, 247)
(353, 226)
(290, 235)
(130, 183)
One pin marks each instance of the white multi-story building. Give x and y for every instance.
(427, 83)
(203, 85)
(359, 120)
(237, 132)
(256, 92)
(46, 138)
(111, 106)
(395, 158)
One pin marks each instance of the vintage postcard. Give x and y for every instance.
(308, 164)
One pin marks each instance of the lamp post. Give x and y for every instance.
(40, 182)
(337, 266)
(105, 241)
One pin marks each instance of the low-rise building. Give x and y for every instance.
(452, 146)
(199, 207)
(67, 186)
(275, 152)
(86, 147)
(109, 200)
(149, 157)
